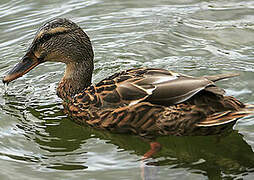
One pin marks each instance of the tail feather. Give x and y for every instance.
(221, 76)
(226, 117)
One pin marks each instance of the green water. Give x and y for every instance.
(38, 141)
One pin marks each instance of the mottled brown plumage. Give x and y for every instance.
(143, 101)
(127, 102)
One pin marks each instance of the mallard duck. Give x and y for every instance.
(142, 101)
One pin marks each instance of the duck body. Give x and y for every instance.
(151, 102)
(143, 101)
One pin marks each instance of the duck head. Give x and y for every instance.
(59, 40)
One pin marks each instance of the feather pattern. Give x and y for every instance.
(149, 101)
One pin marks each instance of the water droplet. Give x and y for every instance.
(5, 87)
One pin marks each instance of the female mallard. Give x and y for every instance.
(143, 101)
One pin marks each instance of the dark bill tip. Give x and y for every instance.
(28, 62)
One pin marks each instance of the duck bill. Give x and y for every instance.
(27, 63)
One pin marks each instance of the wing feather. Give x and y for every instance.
(157, 86)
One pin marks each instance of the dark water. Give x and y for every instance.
(37, 141)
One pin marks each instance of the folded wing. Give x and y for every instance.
(157, 86)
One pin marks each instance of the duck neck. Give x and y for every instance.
(76, 78)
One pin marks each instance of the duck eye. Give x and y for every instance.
(45, 37)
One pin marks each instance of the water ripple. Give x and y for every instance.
(193, 37)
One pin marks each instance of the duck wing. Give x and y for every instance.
(172, 88)
(157, 86)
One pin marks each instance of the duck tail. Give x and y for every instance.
(218, 77)
(227, 117)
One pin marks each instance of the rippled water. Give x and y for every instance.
(38, 141)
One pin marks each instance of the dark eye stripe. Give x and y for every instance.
(48, 36)
(51, 33)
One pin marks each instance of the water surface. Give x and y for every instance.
(38, 141)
